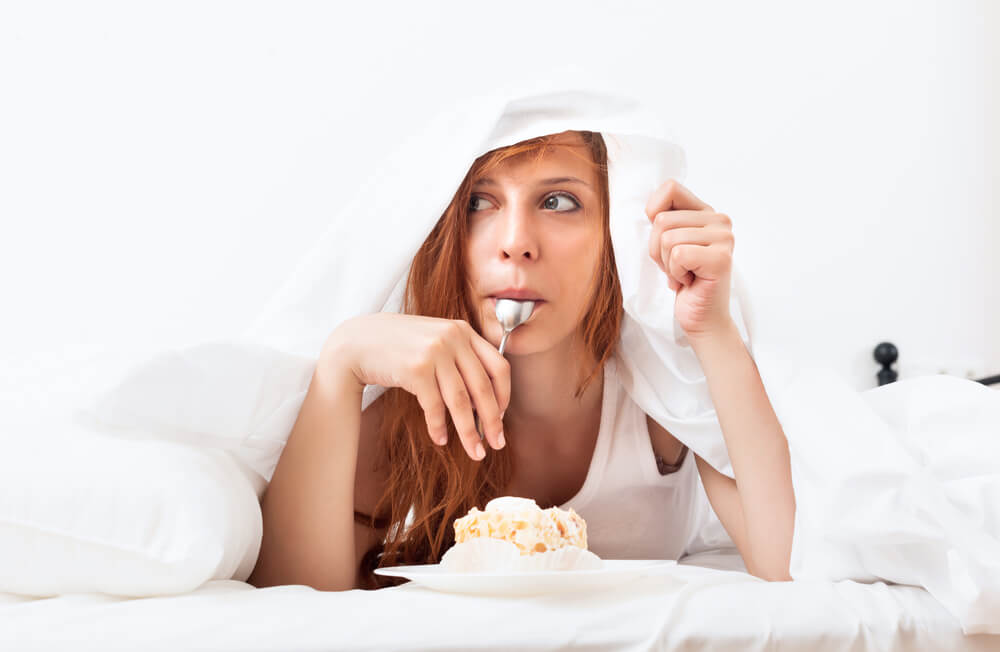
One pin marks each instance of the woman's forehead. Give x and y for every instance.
(556, 160)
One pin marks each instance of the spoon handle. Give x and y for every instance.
(503, 340)
(503, 343)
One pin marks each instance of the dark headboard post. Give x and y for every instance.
(885, 354)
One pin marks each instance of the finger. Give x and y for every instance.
(671, 220)
(496, 366)
(428, 394)
(692, 261)
(670, 238)
(456, 397)
(682, 218)
(498, 369)
(480, 388)
(662, 222)
(672, 195)
(681, 256)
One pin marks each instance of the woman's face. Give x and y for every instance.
(535, 231)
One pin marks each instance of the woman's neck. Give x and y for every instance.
(543, 411)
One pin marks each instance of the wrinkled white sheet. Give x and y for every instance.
(900, 482)
(692, 607)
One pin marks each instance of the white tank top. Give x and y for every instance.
(631, 510)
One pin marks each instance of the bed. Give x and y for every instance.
(707, 601)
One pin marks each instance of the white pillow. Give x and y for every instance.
(230, 395)
(85, 512)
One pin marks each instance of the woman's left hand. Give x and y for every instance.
(693, 245)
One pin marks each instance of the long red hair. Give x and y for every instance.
(433, 485)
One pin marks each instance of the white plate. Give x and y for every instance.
(615, 573)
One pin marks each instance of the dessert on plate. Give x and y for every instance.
(522, 522)
(515, 534)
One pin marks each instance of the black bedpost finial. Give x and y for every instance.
(885, 354)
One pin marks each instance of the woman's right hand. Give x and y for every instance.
(445, 363)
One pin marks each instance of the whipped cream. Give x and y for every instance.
(511, 504)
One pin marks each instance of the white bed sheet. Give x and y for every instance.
(701, 603)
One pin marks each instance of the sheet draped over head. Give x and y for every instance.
(396, 215)
(852, 474)
(360, 266)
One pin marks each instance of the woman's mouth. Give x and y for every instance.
(538, 302)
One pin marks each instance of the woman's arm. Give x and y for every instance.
(327, 469)
(758, 508)
(693, 245)
(308, 507)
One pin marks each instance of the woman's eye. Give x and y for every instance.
(551, 202)
(474, 203)
(477, 203)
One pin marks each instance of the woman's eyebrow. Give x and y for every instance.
(487, 181)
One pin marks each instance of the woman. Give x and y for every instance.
(529, 221)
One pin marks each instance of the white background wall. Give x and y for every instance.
(992, 140)
(162, 167)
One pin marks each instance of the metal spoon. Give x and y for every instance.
(511, 313)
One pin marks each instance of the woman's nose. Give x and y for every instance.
(517, 240)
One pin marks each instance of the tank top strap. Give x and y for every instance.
(610, 399)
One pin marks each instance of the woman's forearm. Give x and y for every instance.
(308, 507)
(757, 448)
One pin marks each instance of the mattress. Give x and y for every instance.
(706, 601)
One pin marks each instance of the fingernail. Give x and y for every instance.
(480, 452)
(500, 440)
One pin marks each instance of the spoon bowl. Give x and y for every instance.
(511, 313)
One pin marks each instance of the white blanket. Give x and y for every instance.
(689, 608)
(900, 483)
